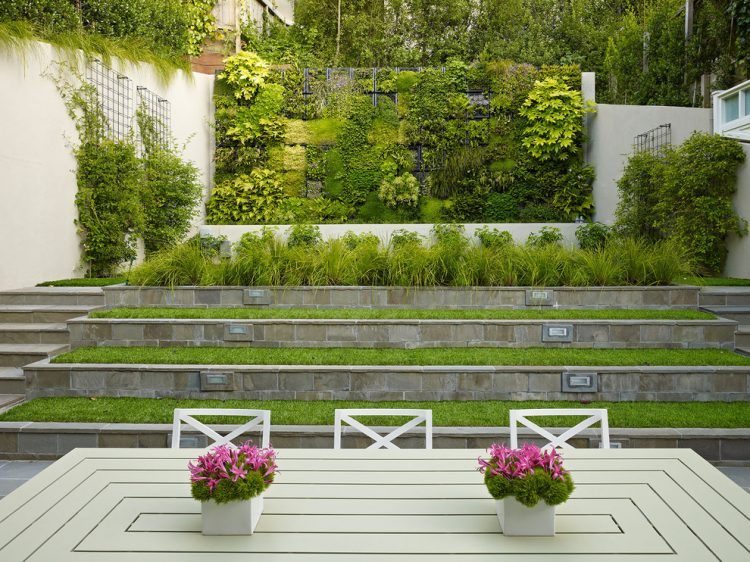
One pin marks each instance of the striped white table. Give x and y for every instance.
(354, 505)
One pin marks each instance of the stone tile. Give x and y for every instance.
(331, 381)
(316, 296)
(345, 298)
(160, 331)
(368, 381)
(510, 382)
(89, 380)
(215, 332)
(296, 381)
(592, 333)
(624, 333)
(311, 332)
(739, 474)
(475, 381)
(529, 333)
(687, 334)
(7, 485)
(719, 333)
(445, 382)
(499, 332)
(187, 380)
(52, 379)
(437, 332)
(39, 443)
(127, 332)
(372, 333)
(187, 332)
(279, 332)
(153, 440)
(22, 469)
(655, 297)
(157, 380)
(707, 448)
(684, 296)
(231, 297)
(618, 382)
(655, 333)
(544, 382)
(118, 440)
(260, 381)
(69, 441)
(8, 442)
(403, 381)
(735, 449)
(657, 382)
(340, 332)
(208, 296)
(729, 382)
(653, 442)
(468, 333)
(404, 333)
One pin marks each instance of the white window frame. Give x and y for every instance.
(736, 128)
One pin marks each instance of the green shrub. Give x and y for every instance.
(403, 237)
(53, 15)
(247, 199)
(304, 235)
(547, 235)
(493, 238)
(501, 207)
(400, 190)
(245, 73)
(592, 235)
(640, 188)
(352, 240)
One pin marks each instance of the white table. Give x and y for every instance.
(355, 505)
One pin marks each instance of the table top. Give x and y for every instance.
(326, 505)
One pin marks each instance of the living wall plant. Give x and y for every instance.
(493, 141)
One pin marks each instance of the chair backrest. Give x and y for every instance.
(383, 441)
(260, 418)
(592, 416)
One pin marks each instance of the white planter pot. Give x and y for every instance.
(231, 518)
(518, 520)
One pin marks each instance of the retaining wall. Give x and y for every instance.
(29, 440)
(378, 383)
(402, 333)
(682, 297)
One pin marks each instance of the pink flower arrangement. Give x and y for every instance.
(517, 463)
(226, 473)
(528, 474)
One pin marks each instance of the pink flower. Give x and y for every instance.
(517, 463)
(227, 463)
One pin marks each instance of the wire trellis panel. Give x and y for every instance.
(159, 112)
(115, 95)
(654, 141)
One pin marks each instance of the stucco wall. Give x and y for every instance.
(37, 169)
(611, 133)
(738, 264)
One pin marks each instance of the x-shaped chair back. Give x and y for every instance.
(383, 441)
(592, 416)
(186, 415)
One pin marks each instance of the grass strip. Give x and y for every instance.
(84, 282)
(393, 356)
(716, 281)
(459, 413)
(402, 314)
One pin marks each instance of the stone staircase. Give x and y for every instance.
(732, 303)
(33, 327)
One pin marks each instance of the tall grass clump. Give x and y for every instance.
(450, 259)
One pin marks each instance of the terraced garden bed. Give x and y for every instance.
(390, 356)
(445, 413)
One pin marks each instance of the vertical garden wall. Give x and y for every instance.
(487, 142)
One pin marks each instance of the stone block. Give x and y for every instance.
(437, 332)
(709, 449)
(131, 332)
(444, 382)
(187, 332)
(118, 440)
(468, 333)
(619, 382)
(684, 296)
(187, 380)
(160, 331)
(208, 296)
(655, 297)
(475, 381)
(52, 379)
(372, 333)
(278, 332)
(592, 333)
(260, 381)
(653, 442)
(685, 334)
(153, 440)
(331, 381)
(341, 332)
(256, 297)
(735, 449)
(69, 441)
(316, 296)
(719, 334)
(657, 382)
(528, 333)
(403, 333)
(540, 297)
(499, 332)
(655, 333)
(510, 382)
(729, 382)
(296, 381)
(215, 381)
(38, 443)
(311, 332)
(231, 297)
(89, 380)
(544, 382)
(8, 442)
(346, 298)
(625, 333)
(215, 332)
(123, 380)
(368, 381)
(157, 380)
(403, 381)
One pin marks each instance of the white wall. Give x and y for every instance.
(611, 132)
(519, 231)
(738, 263)
(37, 169)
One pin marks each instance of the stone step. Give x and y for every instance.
(34, 333)
(12, 381)
(20, 354)
(743, 350)
(42, 313)
(742, 337)
(739, 313)
(9, 400)
(724, 296)
(92, 296)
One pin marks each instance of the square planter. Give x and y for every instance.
(231, 518)
(518, 520)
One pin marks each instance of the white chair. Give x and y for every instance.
(592, 416)
(185, 415)
(383, 441)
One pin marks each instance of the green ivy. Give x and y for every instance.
(245, 73)
(246, 199)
